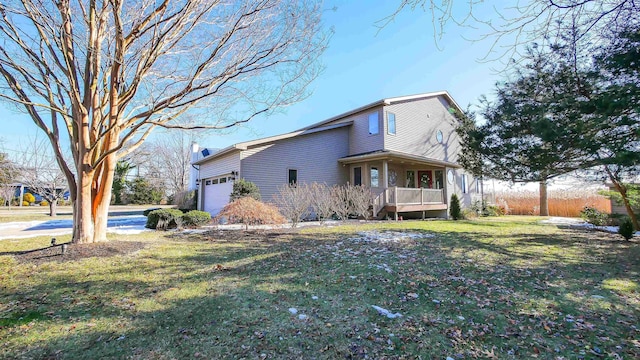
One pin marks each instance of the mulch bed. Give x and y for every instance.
(76, 252)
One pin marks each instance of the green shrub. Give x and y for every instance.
(626, 229)
(243, 188)
(481, 208)
(454, 208)
(493, 210)
(25, 203)
(196, 218)
(594, 216)
(44, 203)
(29, 198)
(146, 212)
(469, 214)
(163, 219)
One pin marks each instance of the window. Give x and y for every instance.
(357, 176)
(214, 181)
(223, 180)
(450, 176)
(392, 179)
(463, 179)
(374, 177)
(374, 124)
(391, 123)
(208, 182)
(439, 136)
(438, 176)
(411, 179)
(478, 185)
(293, 176)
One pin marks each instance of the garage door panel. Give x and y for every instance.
(216, 196)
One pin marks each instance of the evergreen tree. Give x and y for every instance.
(141, 192)
(120, 180)
(616, 111)
(243, 188)
(535, 125)
(454, 210)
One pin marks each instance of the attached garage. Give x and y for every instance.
(216, 193)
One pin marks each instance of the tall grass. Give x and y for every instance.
(566, 203)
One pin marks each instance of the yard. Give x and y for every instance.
(490, 288)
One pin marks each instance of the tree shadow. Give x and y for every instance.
(230, 298)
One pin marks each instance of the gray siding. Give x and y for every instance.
(417, 123)
(473, 188)
(361, 141)
(315, 156)
(224, 165)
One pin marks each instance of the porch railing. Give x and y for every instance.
(405, 196)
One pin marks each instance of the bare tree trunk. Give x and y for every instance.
(53, 207)
(544, 201)
(625, 199)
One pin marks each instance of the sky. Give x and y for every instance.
(363, 64)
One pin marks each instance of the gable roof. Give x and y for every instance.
(389, 101)
(322, 125)
(245, 145)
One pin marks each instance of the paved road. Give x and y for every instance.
(25, 229)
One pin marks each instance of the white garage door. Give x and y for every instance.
(216, 196)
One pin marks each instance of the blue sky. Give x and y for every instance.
(362, 64)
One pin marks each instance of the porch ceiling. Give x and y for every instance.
(394, 156)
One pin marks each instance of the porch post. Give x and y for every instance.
(385, 176)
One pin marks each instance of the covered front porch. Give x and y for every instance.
(403, 183)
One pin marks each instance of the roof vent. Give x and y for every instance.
(205, 152)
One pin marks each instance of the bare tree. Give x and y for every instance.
(39, 171)
(321, 200)
(294, 202)
(359, 200)
(104, 74)
(8, 174)
(340, 197)
(171, 159)
(523, 22)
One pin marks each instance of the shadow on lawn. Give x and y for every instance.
(251, 279)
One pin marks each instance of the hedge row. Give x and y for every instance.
(163, 219)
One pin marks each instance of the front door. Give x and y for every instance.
(426, 179)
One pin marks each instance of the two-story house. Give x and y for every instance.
(404, 148)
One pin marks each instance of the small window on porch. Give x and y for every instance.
(374, 177)
(464, 183)
(391, 123)
(357, 176)
(392, 178)
(438, 177)
(411, 179)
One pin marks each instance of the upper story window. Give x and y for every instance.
(374, 124)
(439, 136)
(391, 123)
